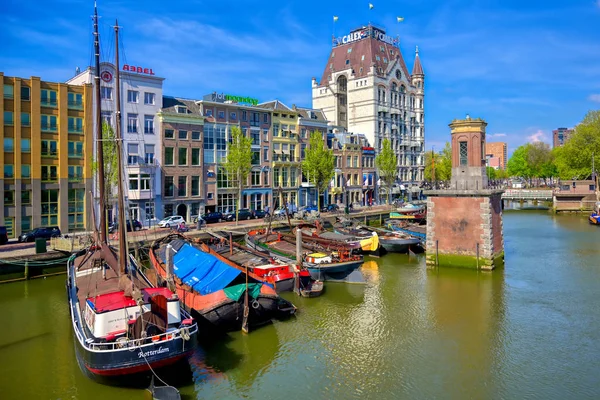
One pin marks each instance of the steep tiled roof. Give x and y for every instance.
(169, 104)
(311, 114)
(417, 68)
(360, 55)
(274, 105)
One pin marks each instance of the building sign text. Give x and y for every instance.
(139, 70)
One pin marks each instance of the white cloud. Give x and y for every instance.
(538, 136)
(497, 135)
(595, 97)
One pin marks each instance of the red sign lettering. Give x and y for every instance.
(139, 70)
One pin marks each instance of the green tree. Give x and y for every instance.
(111, 171)
(239, 162)
(501, 174)
(443, 164)
(518, 164)
(318, 164)
(574, 158)
(386, 163)
(491, 173)
(541, 160)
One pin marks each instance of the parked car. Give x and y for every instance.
(134, 225)
(259, 213)
(308, 209)
(44, 233)
(171, 222)
(330, 208)
(243, 214)
(291, 209)
(212, 217)
(3, 235)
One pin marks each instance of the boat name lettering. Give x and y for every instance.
(149, 353)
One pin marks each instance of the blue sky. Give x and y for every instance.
(525, 67)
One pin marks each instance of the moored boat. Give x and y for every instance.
(368, 239)
(594, 217)
(313, 233)
(323, 262)
(212, 289)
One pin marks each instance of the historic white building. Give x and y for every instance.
(366, 88)
(141, 99)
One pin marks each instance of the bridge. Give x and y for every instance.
(526, 194)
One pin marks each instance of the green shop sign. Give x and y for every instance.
(222, 98)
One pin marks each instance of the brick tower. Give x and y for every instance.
(464, 223)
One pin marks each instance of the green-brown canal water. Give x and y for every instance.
(529, 331)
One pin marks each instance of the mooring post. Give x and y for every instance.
(230, 244)
(298, 260)
(26, 269)
(437, 254)
(477, 255)
(380, 219)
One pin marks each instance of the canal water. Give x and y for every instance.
(531, 330)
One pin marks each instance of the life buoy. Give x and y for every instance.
(255, 304)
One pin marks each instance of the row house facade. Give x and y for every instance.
(141, 99)
(188, 187)
(347, 184)
(46, 157)
(222, 112)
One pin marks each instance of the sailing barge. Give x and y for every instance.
(213, 289)
(323, 262)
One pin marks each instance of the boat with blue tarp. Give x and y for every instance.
(211, 289)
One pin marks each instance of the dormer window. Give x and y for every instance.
(181, 109)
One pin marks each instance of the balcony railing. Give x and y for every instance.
(77, 105)
(48, 103)
(75, 178)
(255, 123)
(50, 153)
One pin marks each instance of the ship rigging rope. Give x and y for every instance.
(154, 373)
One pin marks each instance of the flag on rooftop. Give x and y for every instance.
(335, 18)
(371, 6)
(400, 19)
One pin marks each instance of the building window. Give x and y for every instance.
(133, 96)
(255, 178)
(149, 98)
(293, 177)
(303, 133)
(209, 144)
(275, 130)
(9, 145)
(169, 134)
(255, 160)
(182, 159)
(49, 148)
(244, 115)
(8, 118)
(48, 98)
(266, 154)
(75, 100)
(149, 124)
(210, 195)
(225, 180)
(168, 209)
(25, 171)
(182, 186)
(284, 177)
(49, 207)
(195, 186)
(463, 153)
(355, 162)
(181, 109)
(232, 115)
(107, 118)
(133, 182)
(209, 112)
(266, 118)
(196, 156)
(76, 208)
(226, 202)
(9, 197)
(169, 156)
(195, 135)
(149, 154)
(276, 181)
(132, 123)
(133, 152)
(9, 91)
(75, 125)
(169, 188)
(302, 151)
(266, 135)
(222, 114)
(49, 173)
(25, 145)
(25, 224)
(75, 149)
(25, 119)
(145, 182)
(183, 135)
(149, 208)
(106, 93)
(255, 138)
(75, 173)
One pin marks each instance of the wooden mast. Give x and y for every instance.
(120, 177)
(99, 135)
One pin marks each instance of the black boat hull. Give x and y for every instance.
(399, 245)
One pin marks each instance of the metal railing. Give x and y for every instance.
(528, 194)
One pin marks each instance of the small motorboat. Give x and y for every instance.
(594, 217)
(314, 289)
